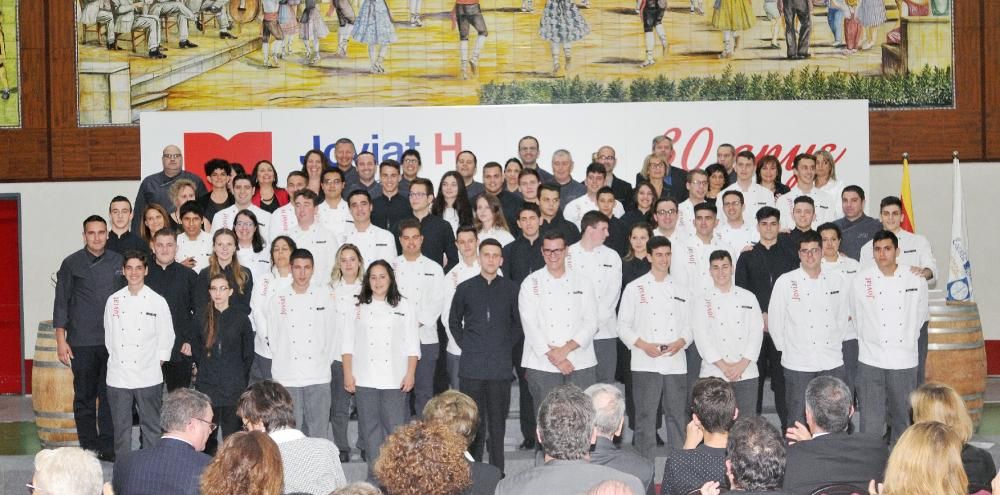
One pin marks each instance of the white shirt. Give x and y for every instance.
(422, 282)
(450, 215)
(685, 215)
(847, 268)
(375, 243)
(808, 318)
(258, 263)
(225, 218)
(345, 297)
(727, 326)
(755, 197)
(200, 249)
(323, 245)
(282, 221)
(576, 209)
(337, 219)
(737, 238)
(380, 340)
(263, 289)
(888, 312)
(603, 268)
(834, 188)
(460, 273)
(692, 257)
(914, 250)
(301, 330)
(658, 313)
(553, 312)
(826, 207)
(139, 334)
(501, 235)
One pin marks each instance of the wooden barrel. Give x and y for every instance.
(956, 353)
(52, 392)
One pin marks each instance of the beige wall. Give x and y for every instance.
(52, 212)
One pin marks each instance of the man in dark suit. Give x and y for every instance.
(174, 465)
(623, 190)
(825, 453)
(609, 406)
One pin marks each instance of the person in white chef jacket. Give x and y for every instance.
(576, 209)
(467, 241)
(754, 195)
(836, 262)
(243, 191)
(309, 233)
(888, 303)
(275, 279)
(333, 212)
(374, 242)
(139, 335)
(825, 209)
(421, 281)
(345, 280)
(654, 322)
(735, 231)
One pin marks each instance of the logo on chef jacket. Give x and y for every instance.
(282, 305)
(708, 309)
(244, 147)
(115, 307)
(642, 295)
(869, 290)
(795, 291)
(534, 286)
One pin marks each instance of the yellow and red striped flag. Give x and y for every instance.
(908, 224)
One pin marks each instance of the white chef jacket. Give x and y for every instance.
(576, 209)
(807, 319)
(847, 268)
(139, 334)
(422, 282)
(834, 188)
(888, 312)
(381, 339)
(323, 245)
(259, 264)
(337, 219)
(692, 257)
(826, 207)
(754, 198)
(226, 217)
(301, 330)
(200, 249)
(603, 268)
(282, 221)
(658, 313)
(501, 236)
(345, 297)
(460, 273)
(914, 250)
(737, 238)
(553, 312)
(727, 326)
(685, 216)
(375, 243)
(263, 289)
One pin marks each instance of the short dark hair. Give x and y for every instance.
(805, 199)
(475, 160)
(565, 423)
(359, 192)
(120, 199)
(333, 170)
(553, 235)
(720, 254)
(529, 171)
(716, 168)
(605, 190)
(420, 181)
(269, 403)
(389, 162)
(734, 192)
(306, 193)
(656, 204)
(133, 254)
(411, 152)
(883, 235)
(854, 189)
(246, 178)
(94, 218)
(656, 242)
(532, 207)
(298, 173)
(714, 401)
(592, 219)
(810, 236)
(768, 212)
(302, 254)
(363, 153)
(490, 242)
(165, 232)
(493, 165)
(829, 226)
(829, 399)
(890, 201)
(803, 156)
(217, 164)
(192, 207)
(747, 154)
(597, 168)
(409, 223)
(706, 206)
(756, 453)
(549, 187)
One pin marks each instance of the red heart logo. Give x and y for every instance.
(246, 148)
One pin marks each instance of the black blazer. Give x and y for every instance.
(623, 192)
(171, 467)
(834, 458)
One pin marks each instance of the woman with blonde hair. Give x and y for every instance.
(939, 402)
(826, 174)
(654, 170)
(248, 464)
(345, 282)
(181, 191)
(926, 461)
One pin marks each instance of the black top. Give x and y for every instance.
(211, 207)
(617, 236)
(127, 242)
(758, 269)
(224, 369)
(559, 223)
(634, 216)
(979, 467)
(439, 241)
(484, 479)
(83, 284)
(511, 203)
(521, 257)
(387, 212)
(633, 269)
(473, 190)
(242, 300)
(171, 467)
(155, 188)
(686, 470)
(176, 283)
(853, 459)
(486, 324)
(374, 190)
(791, 242)
(623, 192)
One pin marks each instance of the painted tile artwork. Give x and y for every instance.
(10, 97)
(251, 54)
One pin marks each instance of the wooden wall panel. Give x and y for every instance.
(991, 79)
(25, 154)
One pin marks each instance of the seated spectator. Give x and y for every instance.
(423, 458)
(939, 402)
(609, 409)
(825, 453)
(68, 471)
(311, 465)
(357, 488)
(566, 431)
(610, 487)
(173, 466)
(459, 412)
(248, 463)
(755, 459)
(713, 408)
(927, 459)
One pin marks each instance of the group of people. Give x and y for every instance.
(345, 287)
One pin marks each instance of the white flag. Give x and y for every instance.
(959, 268)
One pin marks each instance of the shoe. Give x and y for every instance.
(527, 444)
(5, 94)
(345, 456)
(659, 441)
(649, 61)
(215, 10)
(315, 59)
(113, 46)
(106, 456)
(187, 44)
(155, 53)
(364, 456)
(420, 22)
(226, 35)
(474, 65)
(199, 25)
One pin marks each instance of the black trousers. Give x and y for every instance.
(91, 409)
(769, 365)
(229, 423)
(526, 405)
(493, 400)
(177, 374)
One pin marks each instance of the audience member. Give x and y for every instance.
(609, 421)
(357, 488)
(703, 459)
(248, 464)
(926, 460)
(458, 412)
(423, 458)
(68, 471)
(755, 459)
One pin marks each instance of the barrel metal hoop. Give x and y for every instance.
(56, 430)
(940, 331)
(54, 415)
(971, 397)
(49, 364)
(71, 443)
(950, 317)
(964, 346)
(45, 348)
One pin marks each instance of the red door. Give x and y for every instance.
(11, 361)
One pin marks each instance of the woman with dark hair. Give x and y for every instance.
(717, 179)
(452, 202)
(275, 279)
(769, 175)
(251, 248)
(224, 260)
(643, 198)
(313, 165)
(248, 464)
(154, 218)
(223, 351)
(268, 196)
(381, 346)
(511, 171)
(489, 221)
(424, 458)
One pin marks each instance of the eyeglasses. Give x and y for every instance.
(173, 156)
(606, 157)
(211, 426)
(550, 252)
(806, 252)
(699, 182)
(666, 212)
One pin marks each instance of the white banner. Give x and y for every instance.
(781, 128)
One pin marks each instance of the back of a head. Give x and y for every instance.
(611, 487)
(248, 463)
(357, 488)
(609, 408)
(927, 460)
(268, 403)
(566, 423)
(756, 453)
(939, 402)
(180, 407)
(456, 411)
(714, 401)
(423, 458)
(829, 399)
(68, 471)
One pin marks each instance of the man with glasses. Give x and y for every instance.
(755, 196)
(808, 319)
(623, 190)
(411, 164)
(697, 187)
(439, 239)
(156, 188)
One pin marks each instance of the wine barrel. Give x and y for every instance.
(52, 392)
(956, 353)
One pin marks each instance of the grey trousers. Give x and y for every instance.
(540, 383)
(451, 362)
(147, 401)
(312, 409)
(884, 398)
(423, 381)
(922, 355)
(850, 350)
(795, 390)
(379, 413)
(260, 370)
(651, 390)
(746, 396)
(607, 359)
(693, 373)
(340, 407)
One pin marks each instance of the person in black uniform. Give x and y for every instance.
(120, 238)
(176, 283)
